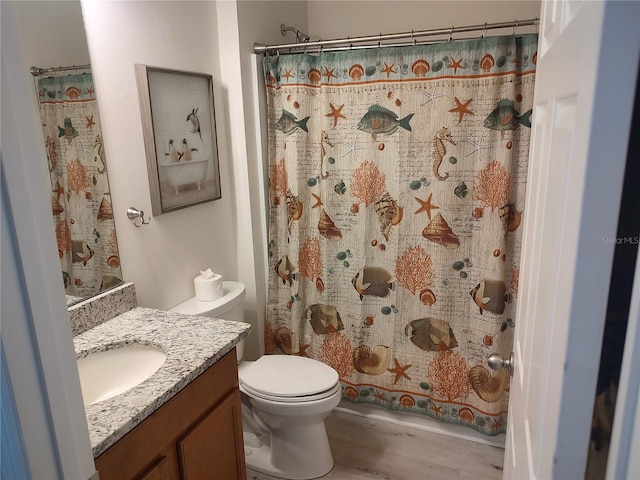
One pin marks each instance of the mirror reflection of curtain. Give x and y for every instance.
(81, 201)
(397, 190)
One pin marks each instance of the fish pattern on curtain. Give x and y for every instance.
(397, 186)
(81, 200)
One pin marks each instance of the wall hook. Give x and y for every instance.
(135, 215)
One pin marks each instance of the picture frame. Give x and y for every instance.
(179, 130)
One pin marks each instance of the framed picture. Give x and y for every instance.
(179, 137)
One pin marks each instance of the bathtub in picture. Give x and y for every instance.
(184, 173)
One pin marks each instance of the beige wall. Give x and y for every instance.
(228, 235)
(52, 33)
(341, 18)
(162, 258)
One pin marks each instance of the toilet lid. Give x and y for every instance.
(288, 376)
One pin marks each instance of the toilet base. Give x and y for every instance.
(303, 455)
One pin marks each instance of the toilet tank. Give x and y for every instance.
(228, 307)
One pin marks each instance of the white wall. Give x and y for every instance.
(161, 258)
(338, 18)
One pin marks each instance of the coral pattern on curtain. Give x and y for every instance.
(397, 186)
(81, 200)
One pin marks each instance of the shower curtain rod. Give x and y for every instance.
(376, 40)
(37, 71)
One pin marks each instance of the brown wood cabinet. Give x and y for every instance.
(195, 435)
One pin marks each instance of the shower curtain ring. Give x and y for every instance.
(380, 40)
(515, 27)
(413, 38)
(484, 30)
(451, 33)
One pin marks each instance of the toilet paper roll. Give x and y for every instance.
(208, 289)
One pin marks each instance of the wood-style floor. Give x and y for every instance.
(369, 449)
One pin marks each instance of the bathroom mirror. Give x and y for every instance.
(54, 41)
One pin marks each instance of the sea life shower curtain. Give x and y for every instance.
(81, 200)
(397, 187)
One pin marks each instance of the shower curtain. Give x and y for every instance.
(397, 186)
(81, 201)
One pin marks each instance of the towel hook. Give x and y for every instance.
(135, 215)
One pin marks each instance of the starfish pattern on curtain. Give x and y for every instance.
(397, 187)
(81, 200)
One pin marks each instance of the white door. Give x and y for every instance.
(585, 83)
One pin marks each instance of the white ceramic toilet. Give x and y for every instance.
(285, 400)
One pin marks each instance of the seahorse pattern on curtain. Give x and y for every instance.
(81, 200)
(397, 186)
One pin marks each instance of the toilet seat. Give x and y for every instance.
(280, 399)
(288, 379)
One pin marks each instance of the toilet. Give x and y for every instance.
(285, 400)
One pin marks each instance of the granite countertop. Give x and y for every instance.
(192, 345)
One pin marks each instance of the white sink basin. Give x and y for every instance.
(111, 372)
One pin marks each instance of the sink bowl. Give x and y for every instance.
(108, 373)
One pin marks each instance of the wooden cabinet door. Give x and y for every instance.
(214, 447)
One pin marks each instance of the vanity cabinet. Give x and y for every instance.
(195, 435)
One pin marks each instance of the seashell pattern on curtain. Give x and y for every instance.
(397, 188)
(80, 195)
